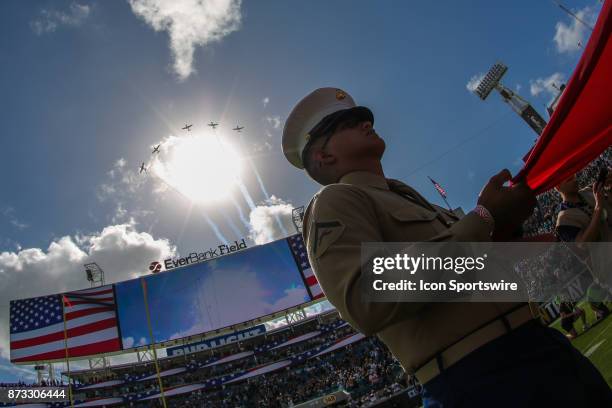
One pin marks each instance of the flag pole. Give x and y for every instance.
(438, 187)
(66, 352)
(146, 303)
(447, 204)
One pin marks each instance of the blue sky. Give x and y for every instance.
(90, 86)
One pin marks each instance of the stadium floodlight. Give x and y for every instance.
(45, 372)
(492, 80)
(297, 216)
(95, 274)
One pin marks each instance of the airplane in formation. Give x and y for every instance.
(187, 127)
(238, 128)
(156, 149)
(213, 125)
(143, 168)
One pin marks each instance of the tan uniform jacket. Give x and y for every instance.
(362, 208)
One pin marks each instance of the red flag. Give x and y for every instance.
(580, 128)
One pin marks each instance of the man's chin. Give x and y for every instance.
(380, 147)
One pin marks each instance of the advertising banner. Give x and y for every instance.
(216, 341)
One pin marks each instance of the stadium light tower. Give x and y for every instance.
(44, 372)
(95, 274)
(553, 105)
(297, 216)
(524, 109)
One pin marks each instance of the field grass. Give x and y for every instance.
(595, 342)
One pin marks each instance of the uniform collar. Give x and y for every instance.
(365, 178)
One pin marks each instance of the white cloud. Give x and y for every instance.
(128, 342)
(123, 249)
(9, 214)
(474, 81)
(264, 220)
(120, 163)
(275, 121)
(189, 23)
(567, 37)
(120, 213)
(123, 180)
(272, 125)
(51, 20)
(547, 85)
(120, 250)
(265, 101)
(260, 145)
(124, 189)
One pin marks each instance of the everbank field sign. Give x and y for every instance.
(194, 257)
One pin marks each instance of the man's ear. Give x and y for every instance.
(323, 157)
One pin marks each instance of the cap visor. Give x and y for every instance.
(332, 120)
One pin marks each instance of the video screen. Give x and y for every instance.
(210, 295)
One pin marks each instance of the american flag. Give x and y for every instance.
(296, 243)
(37, 326)
(439, 188)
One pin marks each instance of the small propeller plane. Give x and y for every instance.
(238, 128)
(213, 125)
(143, 168)
(187, 127)
(156, 149)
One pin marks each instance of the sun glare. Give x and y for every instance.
(202, 168)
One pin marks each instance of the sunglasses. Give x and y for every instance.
(338, 121)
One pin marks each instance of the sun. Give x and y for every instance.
(203, 168)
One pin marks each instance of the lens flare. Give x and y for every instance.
(202, 168)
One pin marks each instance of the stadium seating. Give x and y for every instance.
(282, 368)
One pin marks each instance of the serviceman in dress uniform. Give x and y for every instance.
(464, 354)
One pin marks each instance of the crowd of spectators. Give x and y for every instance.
(544, 217)
(374, 396)
(365, 369)
(546, 275)
(213, 371)
(42, 383)
(147, 368)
